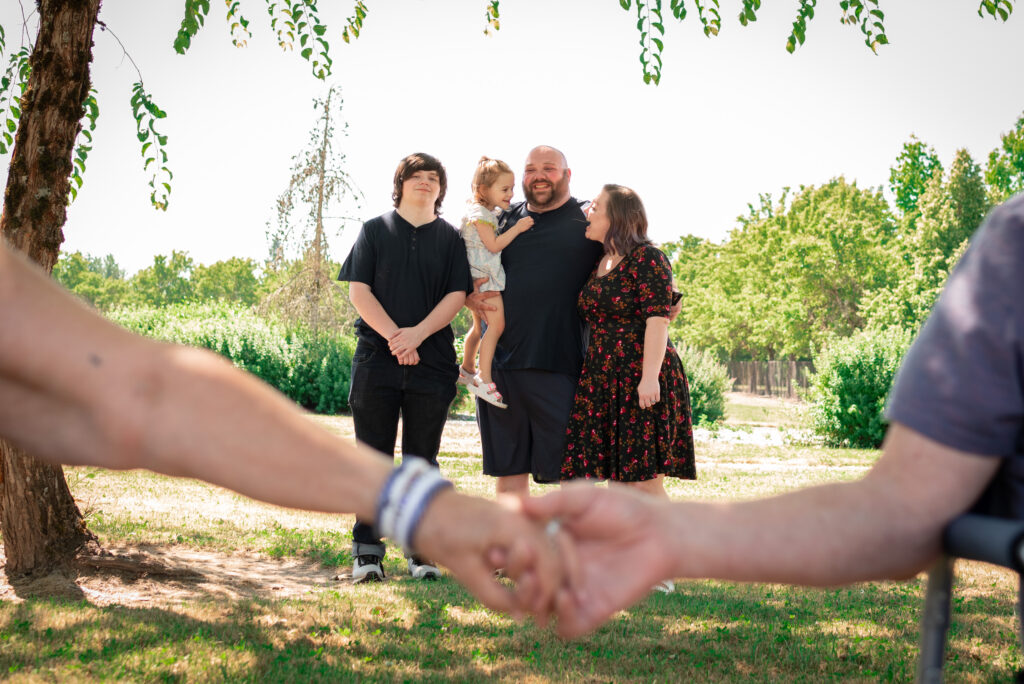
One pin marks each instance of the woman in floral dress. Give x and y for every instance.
(631, 419)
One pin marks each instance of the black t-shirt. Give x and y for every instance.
(410, 270)
(962, 382)
(545, 269)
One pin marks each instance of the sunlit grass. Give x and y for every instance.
(406, 631)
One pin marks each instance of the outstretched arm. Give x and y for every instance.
(496, 243)
(887, 524)
(75, 388)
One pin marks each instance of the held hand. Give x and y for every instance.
(648, 392)
(499, 535)
(476, 301)
(410, 358)
(524, 224)
(674, 310)
(618, 550)
(405, 340)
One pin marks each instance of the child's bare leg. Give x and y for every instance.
(495, 327)
(470, 345)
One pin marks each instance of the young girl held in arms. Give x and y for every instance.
(492, 189)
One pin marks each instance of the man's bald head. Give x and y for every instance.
(546, 179)
(547, 150)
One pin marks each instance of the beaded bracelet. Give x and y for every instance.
(404, 499)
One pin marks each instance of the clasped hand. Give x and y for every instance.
(604, 555)
(404, 344)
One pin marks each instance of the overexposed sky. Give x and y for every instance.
(734, 116)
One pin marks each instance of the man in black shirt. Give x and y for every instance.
(408, 277)
(540, 353)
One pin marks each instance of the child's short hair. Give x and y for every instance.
(419, 161)
(487, 173)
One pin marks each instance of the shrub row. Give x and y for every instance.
(312, 370)
(709, 381)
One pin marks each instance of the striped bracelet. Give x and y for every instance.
(408, 491)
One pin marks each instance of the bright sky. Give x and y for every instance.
(734, 116)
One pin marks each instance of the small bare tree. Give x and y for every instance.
(319, 182)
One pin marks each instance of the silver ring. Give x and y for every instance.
(552, 528)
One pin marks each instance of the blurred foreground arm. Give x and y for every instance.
(886, 525)
(75, 388)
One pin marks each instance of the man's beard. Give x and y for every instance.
(558, 192)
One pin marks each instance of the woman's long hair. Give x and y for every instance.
(627, 219)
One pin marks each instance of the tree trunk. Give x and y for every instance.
(42, 526)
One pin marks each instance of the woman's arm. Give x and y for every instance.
(655, 344)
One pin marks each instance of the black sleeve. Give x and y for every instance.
(459, 277)
(361, 263)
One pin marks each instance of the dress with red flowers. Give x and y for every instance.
(609, 436)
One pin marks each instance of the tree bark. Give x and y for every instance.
(42, 526)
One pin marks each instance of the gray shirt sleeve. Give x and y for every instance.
(962, 382)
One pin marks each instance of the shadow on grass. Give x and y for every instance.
(414, 631)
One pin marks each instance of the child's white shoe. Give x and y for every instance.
(488, 392)
(466, 378)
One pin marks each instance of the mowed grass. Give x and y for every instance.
(406, 631)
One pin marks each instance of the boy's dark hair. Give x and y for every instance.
(419, 161)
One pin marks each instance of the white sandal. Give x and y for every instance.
(466, 378)
(488, 392)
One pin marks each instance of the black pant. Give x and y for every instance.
(380, 392)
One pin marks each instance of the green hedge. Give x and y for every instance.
(709, 381)
(851, 385)
(312, 370)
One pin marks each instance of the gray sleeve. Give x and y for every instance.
(962, 382)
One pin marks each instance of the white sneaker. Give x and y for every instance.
(666, 587)
(367, 569)
(423, 570)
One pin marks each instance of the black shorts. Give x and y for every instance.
(529, 435)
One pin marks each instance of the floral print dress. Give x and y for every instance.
(609, 436)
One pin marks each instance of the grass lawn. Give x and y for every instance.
(262, 604)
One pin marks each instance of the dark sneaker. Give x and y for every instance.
(367, 569)
(423, 570)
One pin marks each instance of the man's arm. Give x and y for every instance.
(405, 340)
(370, 310)
(888, 524)
(75, 388)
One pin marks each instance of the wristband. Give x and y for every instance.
(404, 499)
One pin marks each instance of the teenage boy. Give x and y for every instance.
(408, 277)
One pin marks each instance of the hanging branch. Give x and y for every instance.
(83, 144)
(154, 154)
(491, 17)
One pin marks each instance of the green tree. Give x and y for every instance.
(233, 280)
(968, 198)
(949, 214)
(99, 281)
(1005, 171)
(915, 166)
(166, 282)
(790, 275)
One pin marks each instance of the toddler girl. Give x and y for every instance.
(492, 189)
